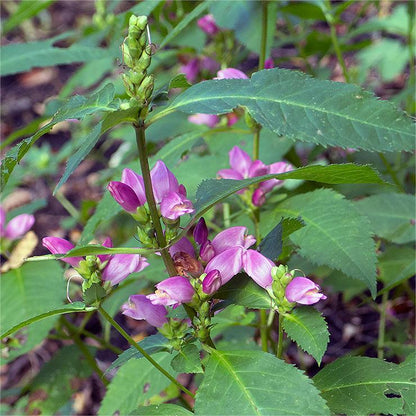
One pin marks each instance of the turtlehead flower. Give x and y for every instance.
(141, 308)
(168, 193)
(113, 267)
(190, 69)
(268, 63)
(172, 292)
(212, 282)
(231, 73)
(16, 227)
(243, 167)
(302, 290)
(208, 25)
(210, 120)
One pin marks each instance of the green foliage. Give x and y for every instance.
(391, 216)
(135, 383)
(256, 383)
(187, 360)
(361, 385)
(307, 327)
(77, 107)
(21, 57)
(56, 380)
(306, 109)
(345, 245)
(161, 410)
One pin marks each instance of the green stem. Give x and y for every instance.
(154, 214)
(262, 57)
(256, 143)
(411, 106)
(382, 325)
(67, 205)
(83, 348)
(226, 214)
(135, 345)
(279, 352)
(263, 330)
(334, 40)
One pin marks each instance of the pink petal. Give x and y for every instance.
(231, 237)
(268, 63)
(174, 205)
(124, 196)
(163, 181)
(212, 282)
(258, 267)
(258, 168)
(58, 245)
(207, 24)
(210, 120)
(135, 181)
(141, 308)
(229, 174)
(228, 263)
(172, 292)
(201, 232)
(229, 73)
(109, 244)
(122, 265)
(191, 70)
(183, 245)
(303, 291)
(18, 226)
(240, 161)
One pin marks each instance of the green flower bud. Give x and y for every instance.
(141, 216)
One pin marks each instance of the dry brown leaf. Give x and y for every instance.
(24, 248)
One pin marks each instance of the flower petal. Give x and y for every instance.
(139, 307)
(304, 291)
(58, 245)
(210, 120)
(228, 263)
(231, 237)
(124, 196)
(172, 292)
(174, 205)
(230, 73)
(135, 181)
(121, 265)
(163, 181)
(258, 267)
(229, 174)
(240, 161)
(18, 226)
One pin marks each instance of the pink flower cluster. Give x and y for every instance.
(243, 167)
(169, 194)
(114, 267)
(16, 227)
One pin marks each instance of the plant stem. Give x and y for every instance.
(134, 344)
(67, 205)
(382, 325)
(279, 351)
(411, 106)
(262, 56)
(330, 20)
(144, 164)
(391, 172)
(83, 348)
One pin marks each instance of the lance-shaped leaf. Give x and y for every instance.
(165, 409)
(293, 104)
(335, 234)
(76, 108)
(307, 327)
(255, 383)
(360, 385)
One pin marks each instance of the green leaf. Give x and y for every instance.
(77, 107)
(212, 191)
(391, 216)
(396, 265)
(359, 385)
(73, 162)
(30, 293)
(187, 360)
(21, 57)
(134, 384)
(271, 245)
(55, 383)
(335, 234)
(165, 409)
(151, 344)
(241, 290)
(188, 18)
(291, 103)
(24, 11)
(255, 383)
(307, 327)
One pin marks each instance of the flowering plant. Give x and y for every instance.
(241, 231)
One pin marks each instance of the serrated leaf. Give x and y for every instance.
(77, 107)
(358, 386)
(21, 57)
(256, 383)
(135, 382)
(391, 215)
(165, 409)
(335, 234)
(271, 245)
(241, 290)
(151, 344)
(212, 191)
(295, 105)
(307, 327)
(187, 360)
(55, 382)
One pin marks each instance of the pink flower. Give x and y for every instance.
(191, 69)
(231, 73)
(130, 192)
(172, 292)
(58, 245)
(212, 282)
(122, 265)
(16, 227)
(211, 120)
(303, 291)
(208, 25)
(268, 63)
(243, 167)
(141, 308)
(258, 267)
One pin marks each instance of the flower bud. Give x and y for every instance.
(201, 232)
(212, 282)
(303, 291)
